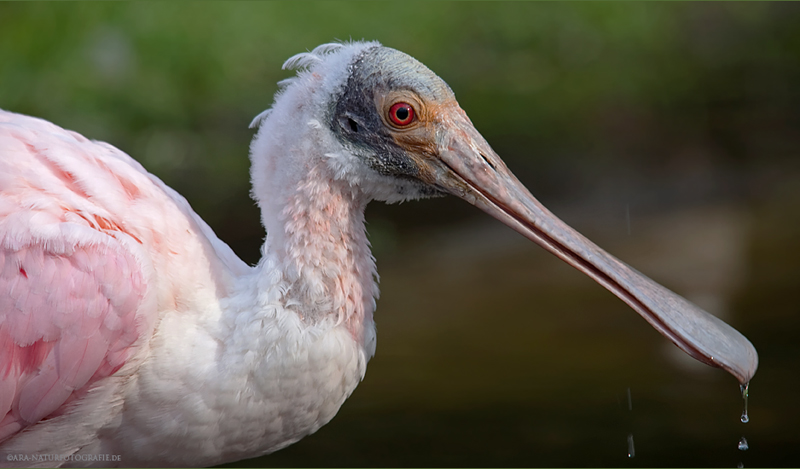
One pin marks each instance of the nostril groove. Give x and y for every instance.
(487, 161)
(353, 125)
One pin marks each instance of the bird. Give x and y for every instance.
(130, 335)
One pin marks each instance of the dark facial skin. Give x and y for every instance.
(383, 77)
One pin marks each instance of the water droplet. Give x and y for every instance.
(741, 465)
(745, 393)
(631, 450)
(743, 446)
(630, 402)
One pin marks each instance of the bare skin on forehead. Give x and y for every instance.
(397, 70)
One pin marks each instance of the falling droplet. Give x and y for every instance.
(745, 393)
(741, 465)
(630, 401)
(743, 446)
(631, 450)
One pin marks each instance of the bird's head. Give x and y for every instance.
(389, 126)
(392, 116)
(384, 122)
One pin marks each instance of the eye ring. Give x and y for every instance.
(401, 114)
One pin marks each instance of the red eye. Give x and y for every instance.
(401, 114)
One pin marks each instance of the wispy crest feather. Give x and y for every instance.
(301, 62)
(256, 122)
(306, 59)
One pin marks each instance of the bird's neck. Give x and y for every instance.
(317, 240)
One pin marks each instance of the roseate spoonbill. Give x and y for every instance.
(128, 329)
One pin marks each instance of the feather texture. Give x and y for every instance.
(128, 328)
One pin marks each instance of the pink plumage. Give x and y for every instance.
(69, 289)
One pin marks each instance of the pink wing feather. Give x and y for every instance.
(70, 287)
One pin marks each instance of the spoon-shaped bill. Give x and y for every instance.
(470, 169)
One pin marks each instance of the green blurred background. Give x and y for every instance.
(667, 132)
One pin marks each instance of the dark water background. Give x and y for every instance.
(669, 133)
